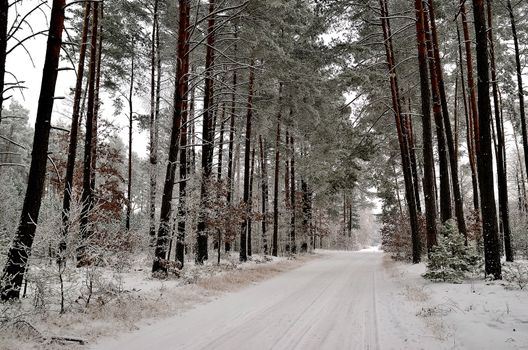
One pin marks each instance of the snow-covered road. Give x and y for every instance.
(341, 301)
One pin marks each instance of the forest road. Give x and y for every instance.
(343, 300)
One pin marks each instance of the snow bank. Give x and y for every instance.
(475, 314)
(136, 300)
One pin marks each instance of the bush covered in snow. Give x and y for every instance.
(516, 274)
(451, 259)
(396, 235)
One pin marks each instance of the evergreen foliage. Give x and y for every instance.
(451, 260)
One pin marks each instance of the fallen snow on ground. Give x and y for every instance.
(372, 249)
(475, 314)
(131, 300)
(344, 300)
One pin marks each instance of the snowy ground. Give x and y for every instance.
(472, 315)
(127, 301)
(346, 300)
(341, 300)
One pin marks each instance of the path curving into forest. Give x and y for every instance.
(344, 300)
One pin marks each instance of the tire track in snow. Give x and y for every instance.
(328, 304)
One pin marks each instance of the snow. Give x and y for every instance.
(343, 300)
(372, 249)
(129, 300)
(476, 314)
(340, 300)
(346, 300)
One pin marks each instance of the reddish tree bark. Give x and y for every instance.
(445, 189)
(474, 119)
(429, 177)
(402, 138)
(207, 132)
(184, 162)
(179, 108)
(72, 147)
(453, 156)
(87, 194)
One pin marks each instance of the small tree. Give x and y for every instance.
(451, 259)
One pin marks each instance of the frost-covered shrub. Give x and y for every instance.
(396, 236)
(450, 260)
(516, 274)
(519, 227)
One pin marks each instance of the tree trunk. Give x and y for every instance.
(274, 249)
(469, 129)
(208, 139)
(414, 165)
(484, 151)
(519, 162)
(221, 143)
(247, 156)
(445, 189)
(397, 185)
(179, 109)
(192, 127)
(429, 176)
(402, 137)
(250, 221)
(20, 250)
(345, 214)
(456, 135)
(153, 125)
(87, 194)
(520, 91)
(97, 102)
(453, 156)
(231, 143)
(264, 187)
(501, 150)
(72, 147)
(4, 12)
(130, 154)
(473, 115)
(184, 163)
(307, 210)
(287, 200)
(292, 195)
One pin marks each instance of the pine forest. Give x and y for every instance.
(249, 174)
